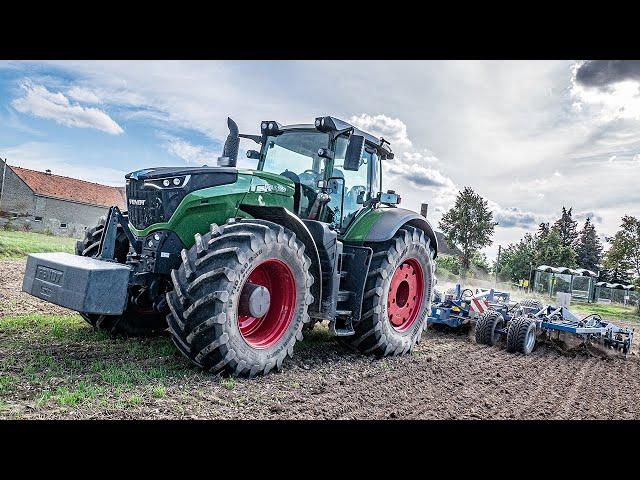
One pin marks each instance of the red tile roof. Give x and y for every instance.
(67, 188)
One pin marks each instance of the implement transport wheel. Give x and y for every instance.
(531, 302)
(240, 297)
(135, 320)
(521, 335)
(397, 296)
(486, 327)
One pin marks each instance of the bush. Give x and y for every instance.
(448, 264)
(8, 225)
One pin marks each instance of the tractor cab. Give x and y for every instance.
(334, 166)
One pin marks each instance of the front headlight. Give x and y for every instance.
(168, 182)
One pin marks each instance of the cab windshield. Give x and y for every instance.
(294, 154)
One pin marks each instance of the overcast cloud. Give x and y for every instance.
(529, 136)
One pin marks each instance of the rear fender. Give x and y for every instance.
(382, 224)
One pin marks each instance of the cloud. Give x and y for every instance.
(420, 175)
(83, 95)
(606, 93)
(40, 102)
(602, 73)
(190, 153)
(393, 130)
(590, 214)
(512, 217)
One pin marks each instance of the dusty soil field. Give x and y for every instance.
(53, 365)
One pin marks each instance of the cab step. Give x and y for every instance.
(344, 295)
(342, 325)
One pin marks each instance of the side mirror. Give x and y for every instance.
(354, 151)
(253, 154)
(389, 198)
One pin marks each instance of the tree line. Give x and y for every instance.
(469, 225)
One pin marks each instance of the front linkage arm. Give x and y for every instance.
(115, 218)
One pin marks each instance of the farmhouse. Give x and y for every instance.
(42, 201)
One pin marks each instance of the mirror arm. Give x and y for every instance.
(336, 133)
(255, 138)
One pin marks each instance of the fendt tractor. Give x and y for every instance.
(235, 262)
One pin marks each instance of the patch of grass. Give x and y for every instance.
(65, 396)
(159, 392)
(228, 383)
(6, 382)
(607, 311)
(57, 326)
(18, 244)
(134, 400)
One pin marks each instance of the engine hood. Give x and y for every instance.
(162, 172)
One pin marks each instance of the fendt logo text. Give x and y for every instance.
(133, 201)
(50, 275)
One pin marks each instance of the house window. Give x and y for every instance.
(63, 225)
(37, 219)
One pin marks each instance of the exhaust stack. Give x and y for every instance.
(229, 156)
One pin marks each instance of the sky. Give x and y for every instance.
(529, 136)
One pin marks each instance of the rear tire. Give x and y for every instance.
(207, 320)
(531, 302)
(521, 335)
(486, 327)
(134, 321)
(394, 315)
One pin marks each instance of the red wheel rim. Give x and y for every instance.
(265, 331)
(406, 292)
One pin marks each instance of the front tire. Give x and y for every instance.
(397, 297)
(216, 320)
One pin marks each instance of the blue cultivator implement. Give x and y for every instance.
(458, 306)
(529, 320)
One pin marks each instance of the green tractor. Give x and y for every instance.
(237, 263)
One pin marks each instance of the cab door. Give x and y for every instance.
(349, 189)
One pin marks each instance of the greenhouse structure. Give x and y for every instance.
(579, 282)
(582, 284)
(616, 293)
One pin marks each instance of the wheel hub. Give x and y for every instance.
(266, 304)
(254, 300)
(406, 292)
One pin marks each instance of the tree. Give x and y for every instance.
(517, 259)
(624, 254)
(550, 250)
(468, 225)
(479, 262)
(566, 228)
(543, 230)
(588, 247)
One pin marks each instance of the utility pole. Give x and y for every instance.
(498, 263)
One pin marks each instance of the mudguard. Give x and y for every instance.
(385, 222)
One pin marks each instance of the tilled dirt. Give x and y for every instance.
(13, 301)
(447, 377)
